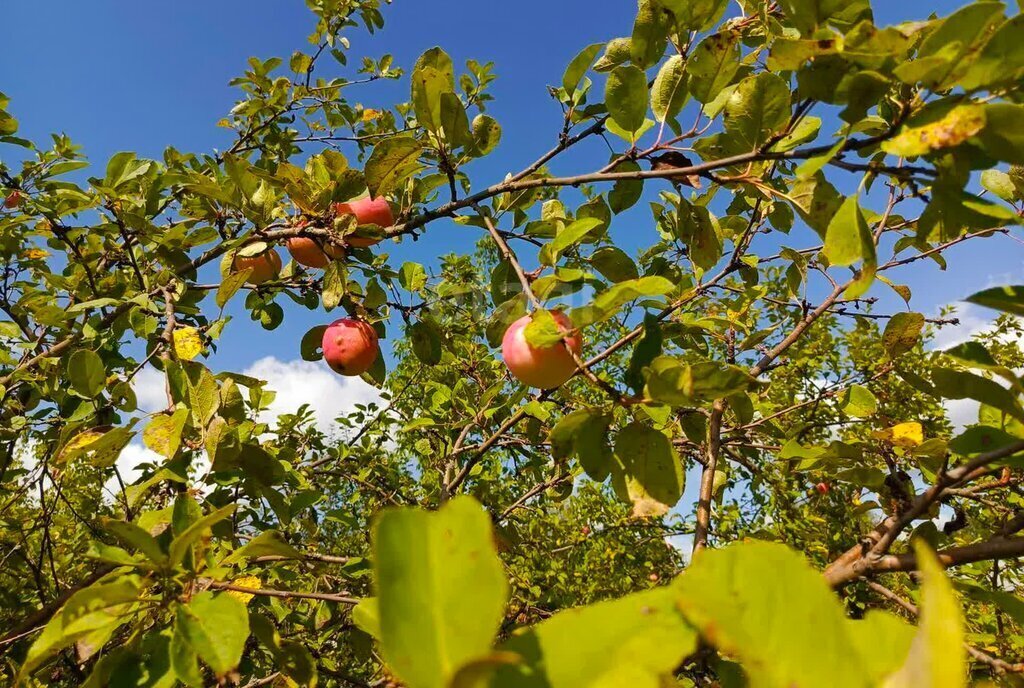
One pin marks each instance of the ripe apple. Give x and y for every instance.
(350, 346)
(822, 488)
(368, 211)
(265, 266)
(13, 199)
(541, 367)
(308, 252)
(653, 577)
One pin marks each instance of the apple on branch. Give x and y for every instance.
(350, 346)
(367, 211)
(264, 262)
(542, 367)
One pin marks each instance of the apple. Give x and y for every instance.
(13, 199)
(822, 488)
(350, 346)
(308, 252)
(585, 530)
(541, 367)
(653, 577)
(265, 266)
(368, 211)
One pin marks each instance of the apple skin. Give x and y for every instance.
(543, 368)
(307, 252)
(265, 266)
(822, 488)
(350, 346)
(368, 211)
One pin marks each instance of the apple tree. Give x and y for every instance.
(672, 419)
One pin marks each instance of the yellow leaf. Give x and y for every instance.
(906, 435)
(77, 444)
(958, 125)
(35, 254)
(245, 582)
(187, 343)
(370, 115)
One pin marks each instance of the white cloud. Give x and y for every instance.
(300, 382)
(961, 412)
(150, 388)
(972, 321)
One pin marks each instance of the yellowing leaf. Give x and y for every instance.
(955, 127)
(906, 435)
(369, 114)
(187, 344)
(245, 582)
(35, 253)
(77, 444)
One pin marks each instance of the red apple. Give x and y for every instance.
(368, 211)
(350, 346)
(13, 199)
(541, 367)
(265, 266)
(585, 530)
(653, 577)
(822, 488)
(308, 252)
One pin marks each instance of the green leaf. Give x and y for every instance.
(633, 641)
(486, 134)
(432, 76)
(1008, 299)
(578, 67)
(648, 470)
(543, 330)
(441, 570)
(311, 343)
(808, 15)
(626, 96)
(848, 238)
(267, 543)
(999, 183)
(455, 122)
(163, 433)
(669, 91)
(566, 238)
(937, 657)
(392, 161)
(426, 341)
(713, 64)
(616, 52)
(584, 432)
(650, 34)
(1001, 59)
(958, 384)
(696, 15)
(181, 544)
(135, 537)
(86, 373)
(412, 276)
(626, 192)
(672, 381)
(902, 333)
(230, 285)
(1003, 135)
(758, 108)
(764, 605)
(614, 264)
(882, 640)
(216, 626)
(937, 129)
(859, 402)
(607, 303)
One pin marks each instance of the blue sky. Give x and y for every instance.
(140, 76)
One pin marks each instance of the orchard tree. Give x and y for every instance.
(511, 513)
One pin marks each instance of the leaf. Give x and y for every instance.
(650, 472)
(763, 604)
(632, 641)
(441, 570)
(486, 134)
(310, 347)
(392, 161)
(163, 432)
(86, 373)
(616, 52)
(1000, 184)
(906, 435)
(859, 402)
(669, 91)
(216, 626)
(626, 192)
(958, 384)
(848, 238)
(230, 285)
(1002, 137)
(584, 432)
(1001, 59)
(713, 64)
(614, 264)
(578, 67)
(334, 285)
(696, 15)
(455, 122)
(882, 640)
(650, 30)
(676, 383)
(808, 15)
(608, 302)
(1008, 299)
(568, 237)
(937, 657)
(759, 107)
(902, 333)
(181, 544)
(135, 537)
(267, 543)
(626, 96)
(432, 76)
(187, 343)
(412, 276)
(953, 128)
(426, 341)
